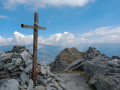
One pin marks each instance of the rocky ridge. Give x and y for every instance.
(16, 72)
(64, 58)
(101, 72)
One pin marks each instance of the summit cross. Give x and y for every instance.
(35, 41)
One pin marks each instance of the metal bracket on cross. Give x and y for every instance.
(36, 23)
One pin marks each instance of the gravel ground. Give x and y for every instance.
(72, 81)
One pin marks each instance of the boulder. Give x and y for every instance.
(25, 55)
(103, 72)
(30, 85)
(23, 78)
(28, 68)
(103, 82)
(41, 80)
(27, 62)
(11, 84)
(44, 69)
(3, 80)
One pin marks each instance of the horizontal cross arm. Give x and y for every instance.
(42, 28)
(31, 26)
(26, 26)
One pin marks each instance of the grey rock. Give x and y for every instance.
(17, 61)
(18, 48)
(22, 87)
(75, 65)
(1, 65)
(4, 72)
(27, 62)
(66, 57)
(49, 88)
(25, 86)
(41, 80)
(107, 82)
(104, 72)
(21, 68)
(15, 54)
(23, 78)
(11, 84)
(40, 88)
(114, 63)
(3, 81)
(25, 55)
(30, 85)
(9, 65)
(28, 68)
(94, 67)
(55, 86)
(43, 69)
(5, 56)
(48, 69)
(115, 57)
(94, 54)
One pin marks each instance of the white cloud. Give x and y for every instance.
(11, 4)
(101, 35)
(22, 39)
(3, 16)
(5, 41)
(103, 31)
(60, 39)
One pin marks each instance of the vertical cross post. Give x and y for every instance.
(35, 41)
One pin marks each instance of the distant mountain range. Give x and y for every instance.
(48, 53)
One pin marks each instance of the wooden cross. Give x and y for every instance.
(35, 40)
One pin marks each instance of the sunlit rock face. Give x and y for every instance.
(64, 58)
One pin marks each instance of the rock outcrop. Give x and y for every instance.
(16, 72)
(102, 71)
(66, 57)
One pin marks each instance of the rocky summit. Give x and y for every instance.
(94, 70)
(16, 72)
(101, 72)
(64, 58)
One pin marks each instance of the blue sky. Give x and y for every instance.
(81, 20)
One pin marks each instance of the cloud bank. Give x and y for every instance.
(109, 35)
(11, 4)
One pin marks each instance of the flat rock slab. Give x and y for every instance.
(73, 81)
(11, 84)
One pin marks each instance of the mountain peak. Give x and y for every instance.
(64, 58)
